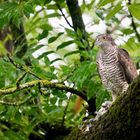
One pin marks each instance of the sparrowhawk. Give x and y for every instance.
(115, 67)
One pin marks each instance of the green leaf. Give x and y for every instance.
(47, 1)
(44, 34)
(3, 50)
(11, 12)
(64, 44)
(104, 2)
(43, 73)
(53, 15)
(127, 31)
(27, 9)
(60, 1)
(59, 94)
(83, 73)
(3, 22)
(117, 8)
(52, 39)
(47, 61)
(71, 53)
(46, 26)
(17, 19)
(66, 69)
(8, 5)
(33, 49)
(44, 54)
(92, 88)
(80, 44)
(53, 6)
(79, 33)
(53, 100)
(135, 10)
(99, 13)
(41, 2)
(71, 33)
(57, 59)
(19, 61)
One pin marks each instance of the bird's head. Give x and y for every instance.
(105, 42)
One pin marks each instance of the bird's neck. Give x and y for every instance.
(107, 50)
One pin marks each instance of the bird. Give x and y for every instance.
(115, 66)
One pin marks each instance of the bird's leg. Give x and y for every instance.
(125, 87)
(113, 97)
(104, 108)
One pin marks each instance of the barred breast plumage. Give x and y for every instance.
(115, 67)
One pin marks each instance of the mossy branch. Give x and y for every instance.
(120, 122)
(16, 103)
(42, 83)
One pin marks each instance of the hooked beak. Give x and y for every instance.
(97, 42)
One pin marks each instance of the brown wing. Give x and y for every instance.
(127, 65)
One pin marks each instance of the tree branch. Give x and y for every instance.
(133, 24)
(120, 122)
(17, 103)
(77, 20)
(43, 83)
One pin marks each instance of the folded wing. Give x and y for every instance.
(127, 64)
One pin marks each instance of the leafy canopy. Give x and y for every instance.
(55, 51)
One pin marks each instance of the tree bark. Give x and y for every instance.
(78, 23)
(120, 122)
(8, 44)
(77, 20)
(19, 40)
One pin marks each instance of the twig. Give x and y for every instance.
(15, 103)
(65, 110)
(20, 79)
(38, 12)
(58, 6)
(39, 87)
(23, 68)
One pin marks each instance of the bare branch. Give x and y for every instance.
(58, 6)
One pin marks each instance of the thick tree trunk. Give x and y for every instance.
(78, 23)
(121, 122)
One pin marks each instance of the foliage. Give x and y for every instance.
(55, 51)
